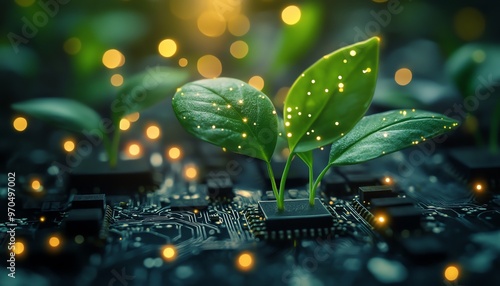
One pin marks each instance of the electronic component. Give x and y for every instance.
(299, 219)
(478, 168)
(367, 193)
(219, 185)
(97, 201)
(402, 218)
(97, 177)
(83, 221)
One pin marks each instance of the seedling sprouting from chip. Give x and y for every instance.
(325, 105)
(138, 93)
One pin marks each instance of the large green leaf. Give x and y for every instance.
(332, 95)
(63, 113)
(146, 89)
(383, 133)
(229, 113)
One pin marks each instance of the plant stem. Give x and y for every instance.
(312, 193)
(107, 144)
(494, 127)
(273, 180)
(281, 197)
(311, 177)
(115, 145)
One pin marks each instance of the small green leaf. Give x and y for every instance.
(63, 113)
(307, 157)
(229, 113)
(331, 96)
(146, 89)
(380, 134)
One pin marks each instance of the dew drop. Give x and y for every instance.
(318, 138)
(337, 123)
(352, 53)
(289, 135)
(313, 81)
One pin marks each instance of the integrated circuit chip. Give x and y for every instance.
(367, 193)
(299, 219)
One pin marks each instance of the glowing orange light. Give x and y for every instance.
(18, 248)
(133, 117)
(190, 172)
(479, 187)
(113, 58)
(167, 48)
(20, 124)
(238, 25)
(257, 82)
(69, 145)
(124, 124)
(403, 76)
(291, 15)
(169, 253)
(174, 153)
(211, 24)
(116, 80)
(239, 49)
(209, 66)
(153, 132)
(36, 185)
(54, 241)
(134, 149)
(451, 273)
(183, 62)
(42, 219)
(245, 261)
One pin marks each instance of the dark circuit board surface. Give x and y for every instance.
(411, 218)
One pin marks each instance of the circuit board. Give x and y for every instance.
(211, 220)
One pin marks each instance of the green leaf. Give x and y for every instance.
(63, 113)
(332, 95)
(229, 113)
(470, 63)
(307, 157)
(380, 134)
(146, 89)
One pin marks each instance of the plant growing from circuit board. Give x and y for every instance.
(138, 93)
(325, 105)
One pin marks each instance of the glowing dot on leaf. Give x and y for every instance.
(352, 53)
(318, 138)
(289, 135)
(337, 123)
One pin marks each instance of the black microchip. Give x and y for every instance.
(477, 166)
(185, 204)
(89, 201)
(298, 215)
(403, 218)
(424, 249)
(384, 203)
(130, 176)
(367, 193)
(83, 221)
(355, 181)
(219, 185)
(334, 185)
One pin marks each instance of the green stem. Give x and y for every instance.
(107, 144)
(311, 177)
(312, 193)
(273, 180)
(115, 145)
(494, 127)
(281, 197)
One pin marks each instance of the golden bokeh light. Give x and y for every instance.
(20, 124)
(69, 145)
(113, 59)
(469, 24)
(257, 82)
(291, 15)
(167, 48)
(185, 9)
(174, 153)
(190, 172)
(451, 273)
(124, 124)
(36, 185)
(54, 241)
(478, 187)
(403, 76)
(183, 62)
(211, 24)
(116, 80)
(134, 149)
(72, 46)
(133, 117)
(245, 261)
(209, 66)
(238, 25)
(42, 219)
(169, 253)
(239, 49)
(18, 248)
(153, 132)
